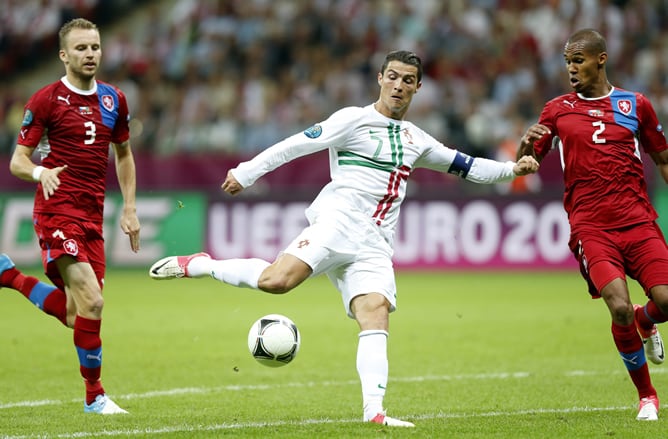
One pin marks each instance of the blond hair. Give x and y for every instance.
(77, 23)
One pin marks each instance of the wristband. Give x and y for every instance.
(37, 172)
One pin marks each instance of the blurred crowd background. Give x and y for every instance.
(234, 76)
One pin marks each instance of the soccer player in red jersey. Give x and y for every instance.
(71, 123)
(599, 131)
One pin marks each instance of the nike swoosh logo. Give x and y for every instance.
(661, 355)
(380, 386)
(155, 270)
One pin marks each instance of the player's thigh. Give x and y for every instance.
(82, 288)
(80, 280)
(322, 248)
(600, 258)
(647, 256)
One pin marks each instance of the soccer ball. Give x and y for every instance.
(274, 340)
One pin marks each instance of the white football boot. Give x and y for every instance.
(173, 267)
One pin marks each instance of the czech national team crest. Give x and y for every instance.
(71, 248)
(625, 106)
(108, 102)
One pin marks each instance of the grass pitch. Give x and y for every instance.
(472, 355)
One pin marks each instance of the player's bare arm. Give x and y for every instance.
(22, 166)
(533, 133)
(231, 185)
(126, 172)
(526, 165)
(661, 160)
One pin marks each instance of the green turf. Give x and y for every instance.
(472, 355)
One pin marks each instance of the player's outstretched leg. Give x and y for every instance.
(103, 405)
(648, 409)
(48, 298)
(382, 419)
(173, 267)
(651, 339)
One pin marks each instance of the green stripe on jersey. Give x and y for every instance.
(395, 144)
(366, 164)
(351, 158)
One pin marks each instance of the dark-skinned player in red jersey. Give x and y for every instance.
(71, 123)
(600, 131)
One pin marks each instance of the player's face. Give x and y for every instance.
(398, 84)
(81, 54)
(585, 69)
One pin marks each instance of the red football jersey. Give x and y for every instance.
(599, 142)
(75, 127)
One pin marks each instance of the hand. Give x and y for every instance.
(231, 185)
(535, 132)
(50, 181)
(130, 226)
(526, 165)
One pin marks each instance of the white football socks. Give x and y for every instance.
(199, 266)
(238, 272)
(372, 367)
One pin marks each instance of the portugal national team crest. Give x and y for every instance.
(71, 248)
(624, 105)
(108, 102)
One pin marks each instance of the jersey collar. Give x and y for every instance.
(612, 89)
(76, 90)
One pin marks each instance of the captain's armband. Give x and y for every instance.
(461, 165)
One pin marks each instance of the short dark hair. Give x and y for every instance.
(405, 57)
(77, 23)
(594, 41)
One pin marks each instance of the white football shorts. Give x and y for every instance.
(356, 261)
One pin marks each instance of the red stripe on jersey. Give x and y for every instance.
(385, 204)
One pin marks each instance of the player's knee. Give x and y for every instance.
(275, 284)
(372, 302)
(371, 311)
(92, 308)
(281, 277)
(622, 313)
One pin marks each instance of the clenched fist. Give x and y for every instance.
(526, 165)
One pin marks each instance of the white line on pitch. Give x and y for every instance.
(245, 388)
(242, 425)
(238, 388)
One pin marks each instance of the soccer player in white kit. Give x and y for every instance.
(372, 151)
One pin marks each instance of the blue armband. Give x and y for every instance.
(461, 165)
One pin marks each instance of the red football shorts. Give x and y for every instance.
(66, 236)
(639, 252)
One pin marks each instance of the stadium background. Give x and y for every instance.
(211, 83)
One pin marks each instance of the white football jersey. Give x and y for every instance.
(370, 157)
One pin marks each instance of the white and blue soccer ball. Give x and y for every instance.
(274, 340)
